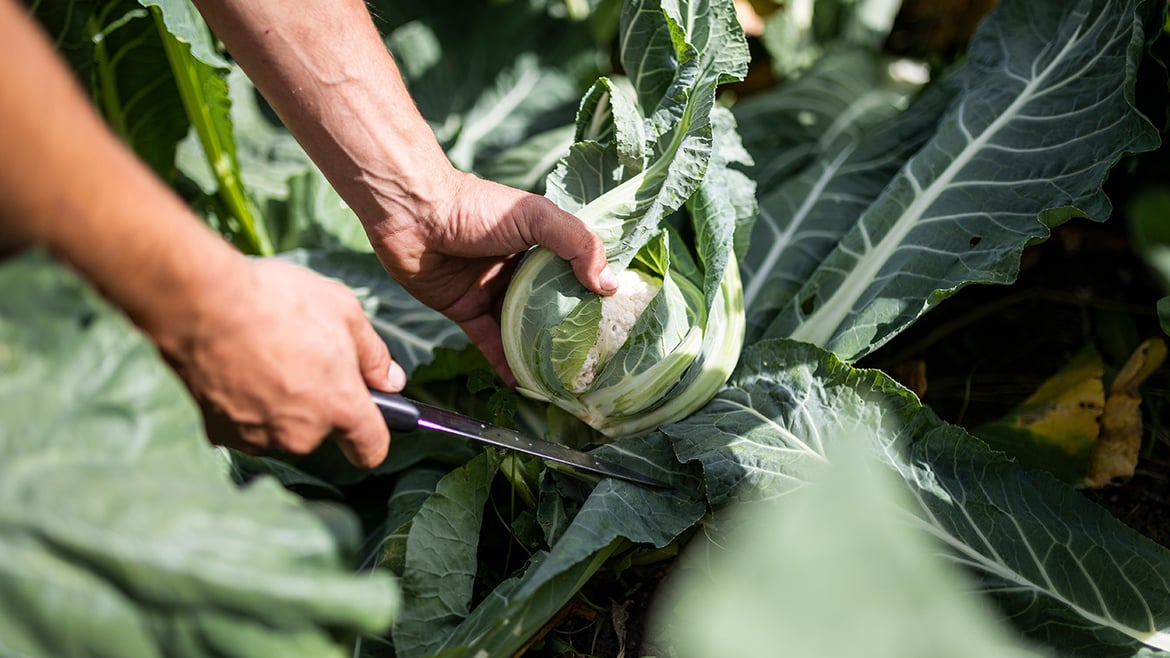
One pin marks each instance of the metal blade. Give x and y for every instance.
(444, 420)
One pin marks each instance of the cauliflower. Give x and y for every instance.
(619, 312)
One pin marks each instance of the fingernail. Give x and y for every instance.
(608, 280)
(395, 377)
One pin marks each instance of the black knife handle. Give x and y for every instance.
(401, 415)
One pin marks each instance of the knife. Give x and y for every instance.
(403, 414)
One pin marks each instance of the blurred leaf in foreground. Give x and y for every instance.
(121, 531)
(822, 568)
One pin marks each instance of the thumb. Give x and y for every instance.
(377, 368)
(570, 238)
(365, 439)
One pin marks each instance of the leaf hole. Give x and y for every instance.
(975, 240)
(808, 305)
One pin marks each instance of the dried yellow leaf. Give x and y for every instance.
(1115, 455)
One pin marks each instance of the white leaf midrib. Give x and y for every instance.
(822, 324)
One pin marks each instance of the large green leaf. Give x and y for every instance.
(1072, 575)
(121, 59)
(201, 78)
(121, 531)
(300, 209)
(526, 165)
(1045, 110)
(440, 561)
(614, 514)
(785, 128)
(518, 73)
(803, 217)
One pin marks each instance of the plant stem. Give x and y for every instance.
(243, 223)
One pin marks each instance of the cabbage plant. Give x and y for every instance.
(649, 173)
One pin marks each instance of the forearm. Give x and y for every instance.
(323, 67)
(76, 190)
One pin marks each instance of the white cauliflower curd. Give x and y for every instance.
(619, 312)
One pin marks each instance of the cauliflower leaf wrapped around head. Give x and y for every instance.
(650, 174)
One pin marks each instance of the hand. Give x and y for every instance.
(456, 254)
(281, 358)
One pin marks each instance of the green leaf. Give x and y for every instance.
(608, 115)
(814, 172)
(440, 565)
(803, 218)
(136, 89)
(184, 22)
(119, 56)
(1045, 109)
(676, 54)
(318, 218)
(246, 468)
(1164, 313)
(300, 209)
(1050, 556)
(482, 98)
(810, 573)
(269, 155)
(122, 533)
(411, 491)
(511, 613)
(501, 115)
(200, 74)
(526, 165)
(572, 339)
(614, 514)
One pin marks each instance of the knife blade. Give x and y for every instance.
(404, 414)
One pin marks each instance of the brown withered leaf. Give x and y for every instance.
(1115, 454)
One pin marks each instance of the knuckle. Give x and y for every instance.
(351, 306)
